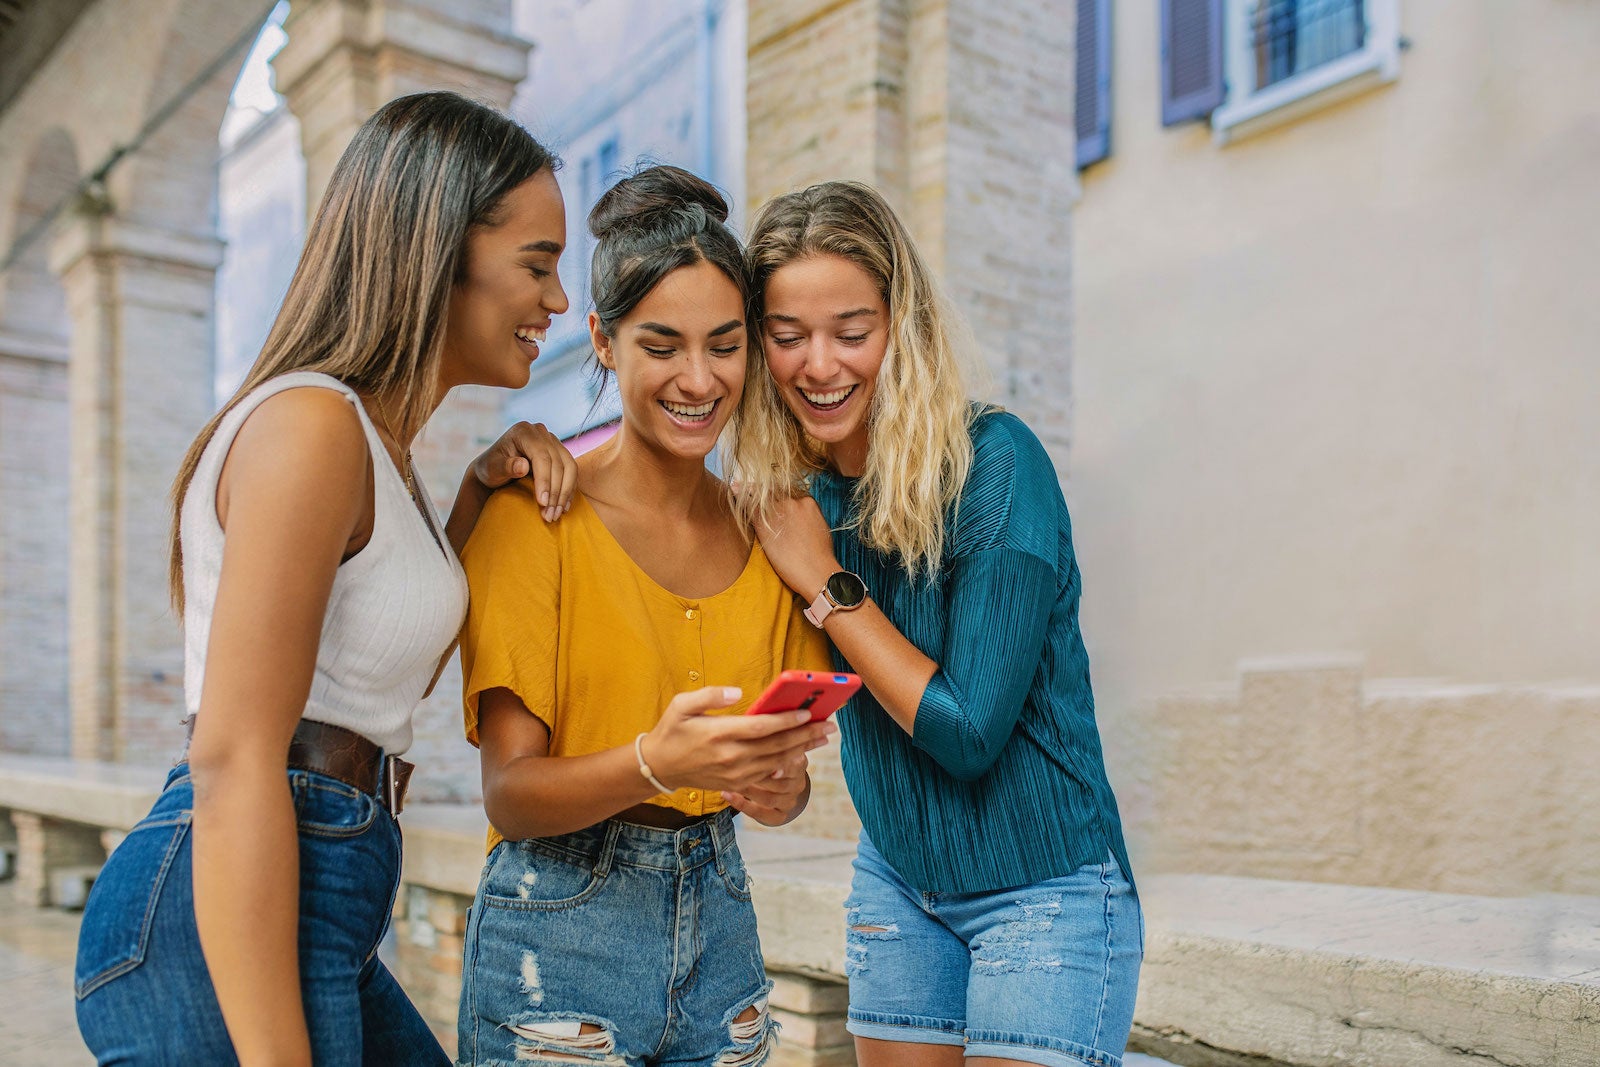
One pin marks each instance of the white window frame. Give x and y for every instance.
(1246, 111)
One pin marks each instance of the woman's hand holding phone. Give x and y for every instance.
(777, 800)
(729, 753)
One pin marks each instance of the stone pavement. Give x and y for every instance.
(37, 1028)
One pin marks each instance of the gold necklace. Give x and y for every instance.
(405, 473)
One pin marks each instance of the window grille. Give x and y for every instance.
(1292, 36)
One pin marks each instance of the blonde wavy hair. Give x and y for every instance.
(921, 413)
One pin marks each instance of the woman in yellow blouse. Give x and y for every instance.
(606, 658)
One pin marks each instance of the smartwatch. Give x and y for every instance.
(843, 592)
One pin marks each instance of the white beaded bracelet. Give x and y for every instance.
(644, 768)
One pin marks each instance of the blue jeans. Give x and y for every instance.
(1042, 973)
(645, 935)
(144, 994)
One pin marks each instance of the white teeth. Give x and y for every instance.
(529, 335)
(685, 411)
(823, 400)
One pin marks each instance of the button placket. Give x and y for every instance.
(695, 674)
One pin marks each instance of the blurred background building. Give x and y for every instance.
(1301, 294)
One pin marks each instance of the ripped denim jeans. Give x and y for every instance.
(1043, 973)
(616, 945)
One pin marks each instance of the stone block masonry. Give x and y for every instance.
(1306, 770)
(34, 714)
(44, 846)
(960, 113)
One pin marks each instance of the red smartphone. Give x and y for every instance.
(820, 692)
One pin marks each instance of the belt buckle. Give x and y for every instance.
(396, 779)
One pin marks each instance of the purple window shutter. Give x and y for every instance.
(1092, 107)
(1191, 59)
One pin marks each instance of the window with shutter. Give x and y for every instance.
(1287, 57)
(1092, 107)
(1191, 59)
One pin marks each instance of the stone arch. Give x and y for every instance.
(34, 526)
(140, 278)
(32, 301)
(170, 182)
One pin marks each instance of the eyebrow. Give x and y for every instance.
(542, 246)
(856, 314)
(668, 331)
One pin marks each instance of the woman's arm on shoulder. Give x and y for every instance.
(526, 450)
(293, 492)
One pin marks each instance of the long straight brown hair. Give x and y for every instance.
(370, 297)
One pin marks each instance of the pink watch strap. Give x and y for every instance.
(819, 610)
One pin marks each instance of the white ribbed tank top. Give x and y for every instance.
(395, 608)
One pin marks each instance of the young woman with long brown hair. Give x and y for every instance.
(239, 921)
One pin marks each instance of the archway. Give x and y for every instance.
(140, 279)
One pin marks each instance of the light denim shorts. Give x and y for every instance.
(646, 935)
(1043, 973)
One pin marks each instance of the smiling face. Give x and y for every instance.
(826, 331)
(679, 358)
(502, 305)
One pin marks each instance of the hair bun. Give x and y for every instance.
(657, 196)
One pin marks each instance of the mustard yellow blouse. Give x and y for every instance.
(563, 617)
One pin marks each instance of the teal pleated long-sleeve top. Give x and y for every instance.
(1003, 783)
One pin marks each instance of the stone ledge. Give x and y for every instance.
(1237, 970)
(1250, 970)
(799, 885)
(111, 796)
(444, 846)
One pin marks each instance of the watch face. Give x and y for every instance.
(846, 589)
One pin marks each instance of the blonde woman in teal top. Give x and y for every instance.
(992, 916)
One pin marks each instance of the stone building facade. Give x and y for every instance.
(1388, 452)
(1334, 368)
(1444, 532)
(107, 201)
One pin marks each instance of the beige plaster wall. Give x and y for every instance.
(1335, 384)
(1304, 770)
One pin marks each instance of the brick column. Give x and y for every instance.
(45, 846)
(33, 539)
(825, 95)
(345, 58)
(139, 387)
(960, 112)
(430, 926)
(1003, 184)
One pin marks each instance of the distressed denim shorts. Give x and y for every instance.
(1043, 973)
(646, 935)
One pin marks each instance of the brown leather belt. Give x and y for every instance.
(653, 815)
(345, 755)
